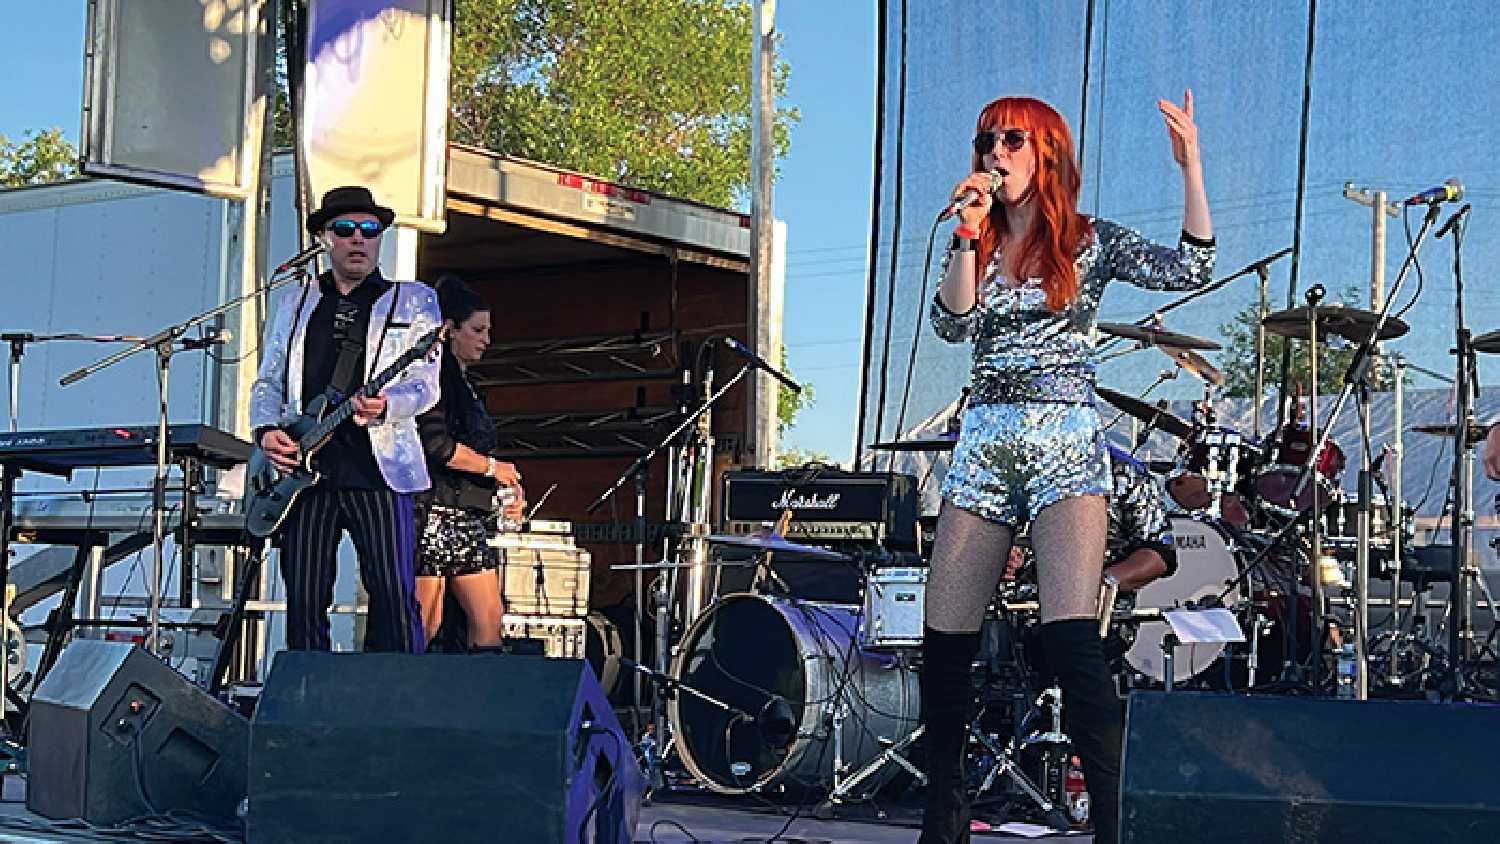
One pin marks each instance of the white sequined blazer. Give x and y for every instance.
(276, 398)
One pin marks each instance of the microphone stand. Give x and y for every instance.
(655, 775)
(1260, 266)
(1466, 389)
(1354, 378)
(18, 341)
(164, 343)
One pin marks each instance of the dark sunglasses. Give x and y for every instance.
(1014, 139)
(345, 228)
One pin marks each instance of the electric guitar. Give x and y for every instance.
(269, 493)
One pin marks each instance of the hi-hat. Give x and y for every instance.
(1488, 343)
(941, 442)
(1352, 324)
(773, 544)
(1153, 416)
(1195, 364)
(1156, 336)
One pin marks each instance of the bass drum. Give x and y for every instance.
(1205, 565)
(791, 665)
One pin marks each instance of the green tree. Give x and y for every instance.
(650, 93)
(38, 158)
(788, 403)
(1238, 358)
(791, 458)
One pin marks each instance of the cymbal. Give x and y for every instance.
(942, 442)
(1156, 336)
(1152, 415)
(1477, 432)
(1195, 364)
(773, 544)
(1488, 343)
(1352, 324)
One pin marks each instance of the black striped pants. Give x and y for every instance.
(382, 526)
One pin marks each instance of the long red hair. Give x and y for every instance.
(1049, 249)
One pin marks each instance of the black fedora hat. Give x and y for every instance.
(347, 200)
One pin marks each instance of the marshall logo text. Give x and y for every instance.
(790, 500)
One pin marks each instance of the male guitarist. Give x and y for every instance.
(328, 338)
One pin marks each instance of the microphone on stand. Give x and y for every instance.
(970, 197)
(317, 248)
(759, 362)
(1449, 191)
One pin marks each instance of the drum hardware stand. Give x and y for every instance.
(843, 786)
(165, 343)
(1006, 764)
(1169, 645)
(1356, 376)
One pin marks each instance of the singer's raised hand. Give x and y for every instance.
(1181, 129)
(981, 184)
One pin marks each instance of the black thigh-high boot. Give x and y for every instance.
(1093, 716)
(947, 709)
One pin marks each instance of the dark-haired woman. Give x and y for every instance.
(1022, 280)
(457, 516)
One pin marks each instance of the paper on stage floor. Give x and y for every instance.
(1205, 627)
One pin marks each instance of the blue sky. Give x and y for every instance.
(823, 194)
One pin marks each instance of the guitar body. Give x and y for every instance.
(269, 494)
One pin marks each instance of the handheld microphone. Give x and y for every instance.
(970, 196)
(1449, 191)
(302, 257)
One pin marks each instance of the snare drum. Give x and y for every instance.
(1287, 451)
(894, 601)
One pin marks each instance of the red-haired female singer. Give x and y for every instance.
(1022, 281)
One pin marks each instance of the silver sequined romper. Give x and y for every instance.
(1031, 434)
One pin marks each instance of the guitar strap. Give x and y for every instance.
(346, 377)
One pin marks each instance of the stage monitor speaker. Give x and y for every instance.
(115, 734)
(450, 747)
(1235, 768)
(172, 96)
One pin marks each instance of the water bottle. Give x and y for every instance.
(1347, 669)
(505, 495)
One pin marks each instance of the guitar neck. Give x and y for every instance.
(318, 436)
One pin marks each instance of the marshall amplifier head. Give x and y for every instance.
(827, 505)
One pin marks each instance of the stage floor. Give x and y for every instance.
(672, 822)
